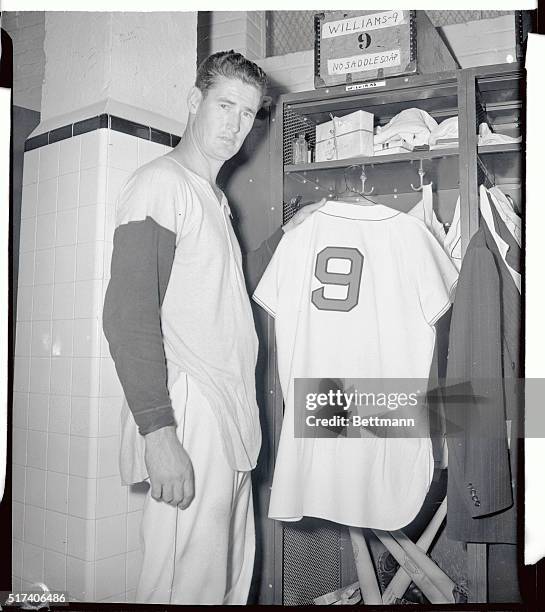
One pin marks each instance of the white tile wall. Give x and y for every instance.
(111, 536)
(56, 525)
(35, 489)
(29, 201)
(68, 192)
(84, 417)
(20, 410)
(59, 414)
(81, 538)
(110, 577)
(24, 303)
(38, 407)
(75, 526)
(44, 266)
(58, 452)
(56, 492)
(34, 525)
(31, 165)
(17, 521)
(80, 578)
(55, 570)
(82, 497)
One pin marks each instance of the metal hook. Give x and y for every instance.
(421, 174)
(363, 178)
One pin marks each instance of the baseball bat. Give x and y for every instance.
(370, 591)
(421, 578)
(401, 580)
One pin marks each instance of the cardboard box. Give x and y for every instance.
(399, 145)
(345, 137)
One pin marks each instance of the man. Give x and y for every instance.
(179, 324)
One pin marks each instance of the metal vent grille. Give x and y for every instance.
(289, 31)
(443, 18)
(312, 561)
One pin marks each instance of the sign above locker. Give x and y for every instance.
(359, 46)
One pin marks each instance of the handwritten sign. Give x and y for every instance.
(360, 63)
(363, 23)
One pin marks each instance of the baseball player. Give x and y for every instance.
(180, 329)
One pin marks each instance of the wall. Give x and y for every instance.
(243, 31)
(143, 59)
(75, 526)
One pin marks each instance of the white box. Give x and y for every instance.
(398, 145)
(344, 137)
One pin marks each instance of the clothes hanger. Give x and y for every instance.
(358, 194)
(421, 174)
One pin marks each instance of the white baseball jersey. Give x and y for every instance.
(355, 291)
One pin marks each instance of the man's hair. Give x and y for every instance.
(231, 65)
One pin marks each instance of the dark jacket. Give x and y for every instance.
(484, 350)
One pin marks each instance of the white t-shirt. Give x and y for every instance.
(397, 282)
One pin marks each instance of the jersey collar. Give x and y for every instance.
(351, 210)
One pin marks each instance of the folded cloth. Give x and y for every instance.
(412, 124)
(488, 137)
(446, 129)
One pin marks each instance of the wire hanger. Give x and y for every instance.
(363, 178)
(421, 174)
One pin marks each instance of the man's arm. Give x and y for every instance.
(141, 264)
(256, 261)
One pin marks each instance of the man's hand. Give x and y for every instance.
(169, 468)
(302, 214)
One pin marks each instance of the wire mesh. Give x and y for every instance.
(289, 31)
(295, 124)
(443, 18)
(312, 561)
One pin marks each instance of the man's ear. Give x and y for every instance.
(194, 98)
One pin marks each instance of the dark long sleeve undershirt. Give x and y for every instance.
(142, 261)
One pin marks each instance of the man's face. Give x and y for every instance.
(224, 116)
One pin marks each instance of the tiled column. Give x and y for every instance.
(75, 525)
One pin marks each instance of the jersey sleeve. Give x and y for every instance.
(436, 277)
(266, 293)
(148, 226)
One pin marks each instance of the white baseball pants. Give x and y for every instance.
(204, 554)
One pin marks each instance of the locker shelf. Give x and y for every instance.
(378, 159)
(500, 148)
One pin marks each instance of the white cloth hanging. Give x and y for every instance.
(423, 210)
(453, 240)
(486, 212)
(505, 210)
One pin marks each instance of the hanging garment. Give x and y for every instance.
(505, 208)
(484, 349)
(507, 246)
(423, 210)
(396, 283)
(453, 240)
(412, 124)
